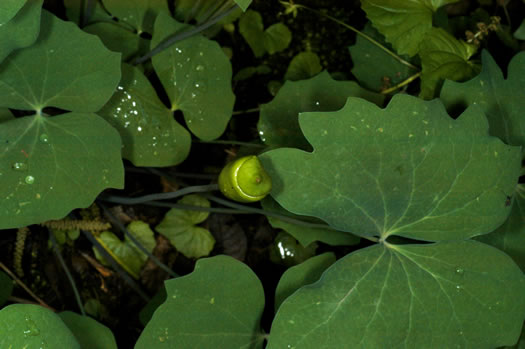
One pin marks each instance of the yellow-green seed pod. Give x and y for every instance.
(245, 180)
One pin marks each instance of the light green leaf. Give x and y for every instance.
(408, 170)
(221, 302)
(444, 57)
(179, 226)
(510, 237)
(118, 38)
(243, 4)
(140, 14)
(277, 38)
(22, 30)
(306, 235)
(150, 134)
(144, 235)
(501, 100)
(197, 77)
(6, 287)
(302, 274)
(278, 124)
(88, 332)
(51, 165)
(403, 23)
(303, 66)
(66, 68)
(202, 11)
(373, 67)
(520, 32)
(9, 8)
(32, 327)
(444, 295)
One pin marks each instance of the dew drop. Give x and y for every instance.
(460, 271)
(19, 166)
(458, 288)
(30, 179)
(31, 329)
(199, 67)
(44, 138)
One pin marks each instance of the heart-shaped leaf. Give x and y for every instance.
(222, 296)
(444, 57)
(303, 66)
(278, 124)
(88, 332)
(408, 170)
(179, 226)
(33, 326)
(403, 23)
(500, 99)
(275, 38)
(150, 134)
(444, 295)
(196, 75)
(22, 30)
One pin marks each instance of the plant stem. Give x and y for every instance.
(402, 83)
(247, 111)
(181, 36)
(363, 35)
(68, 273)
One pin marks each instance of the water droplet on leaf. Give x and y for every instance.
(44, 138)
(30, 179)
(19, 166)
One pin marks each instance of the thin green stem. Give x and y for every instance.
(402, 83)
(363, 35)
(66, 270)
(181, 36)
(247, 111)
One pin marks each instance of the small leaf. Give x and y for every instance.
(408, 170)
(197, 77)
(80, 73)
(222, 302)
(179, 227)
(243, 4)
(22, 30)
(251, 28)
(277, 37)
(520, 32)
(88, 332)
(444, 57)
(403, 23)
(442, 295)
(303, 66)
(278, 124)
(140, 14)
(150, 134)
(144, 235)
(28, 326)
(499, 98)
(118, 38)
(302, 274)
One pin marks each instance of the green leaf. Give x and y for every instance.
(302, 274)
(22, 30)
(373, 67)
(51, 165)
(444, 57)
(520, 32)
(499, 99)
(243, 4)
(147, 312)
(9, 8)
(74, 9)
(6, 287)
(33, 327)
(144, 235)
(66, 68)
(278, 124)
(403, 23)
(306, 235)
(408, 170)
(150, 134)
(221, 302)
(287, 251)
(88, 332)
(140, 14)
(444, 295)
(179, 226)
(197, 77)
(510, 237)
(275, 38)
(118, 38)
(202, 11)
(303, 66)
